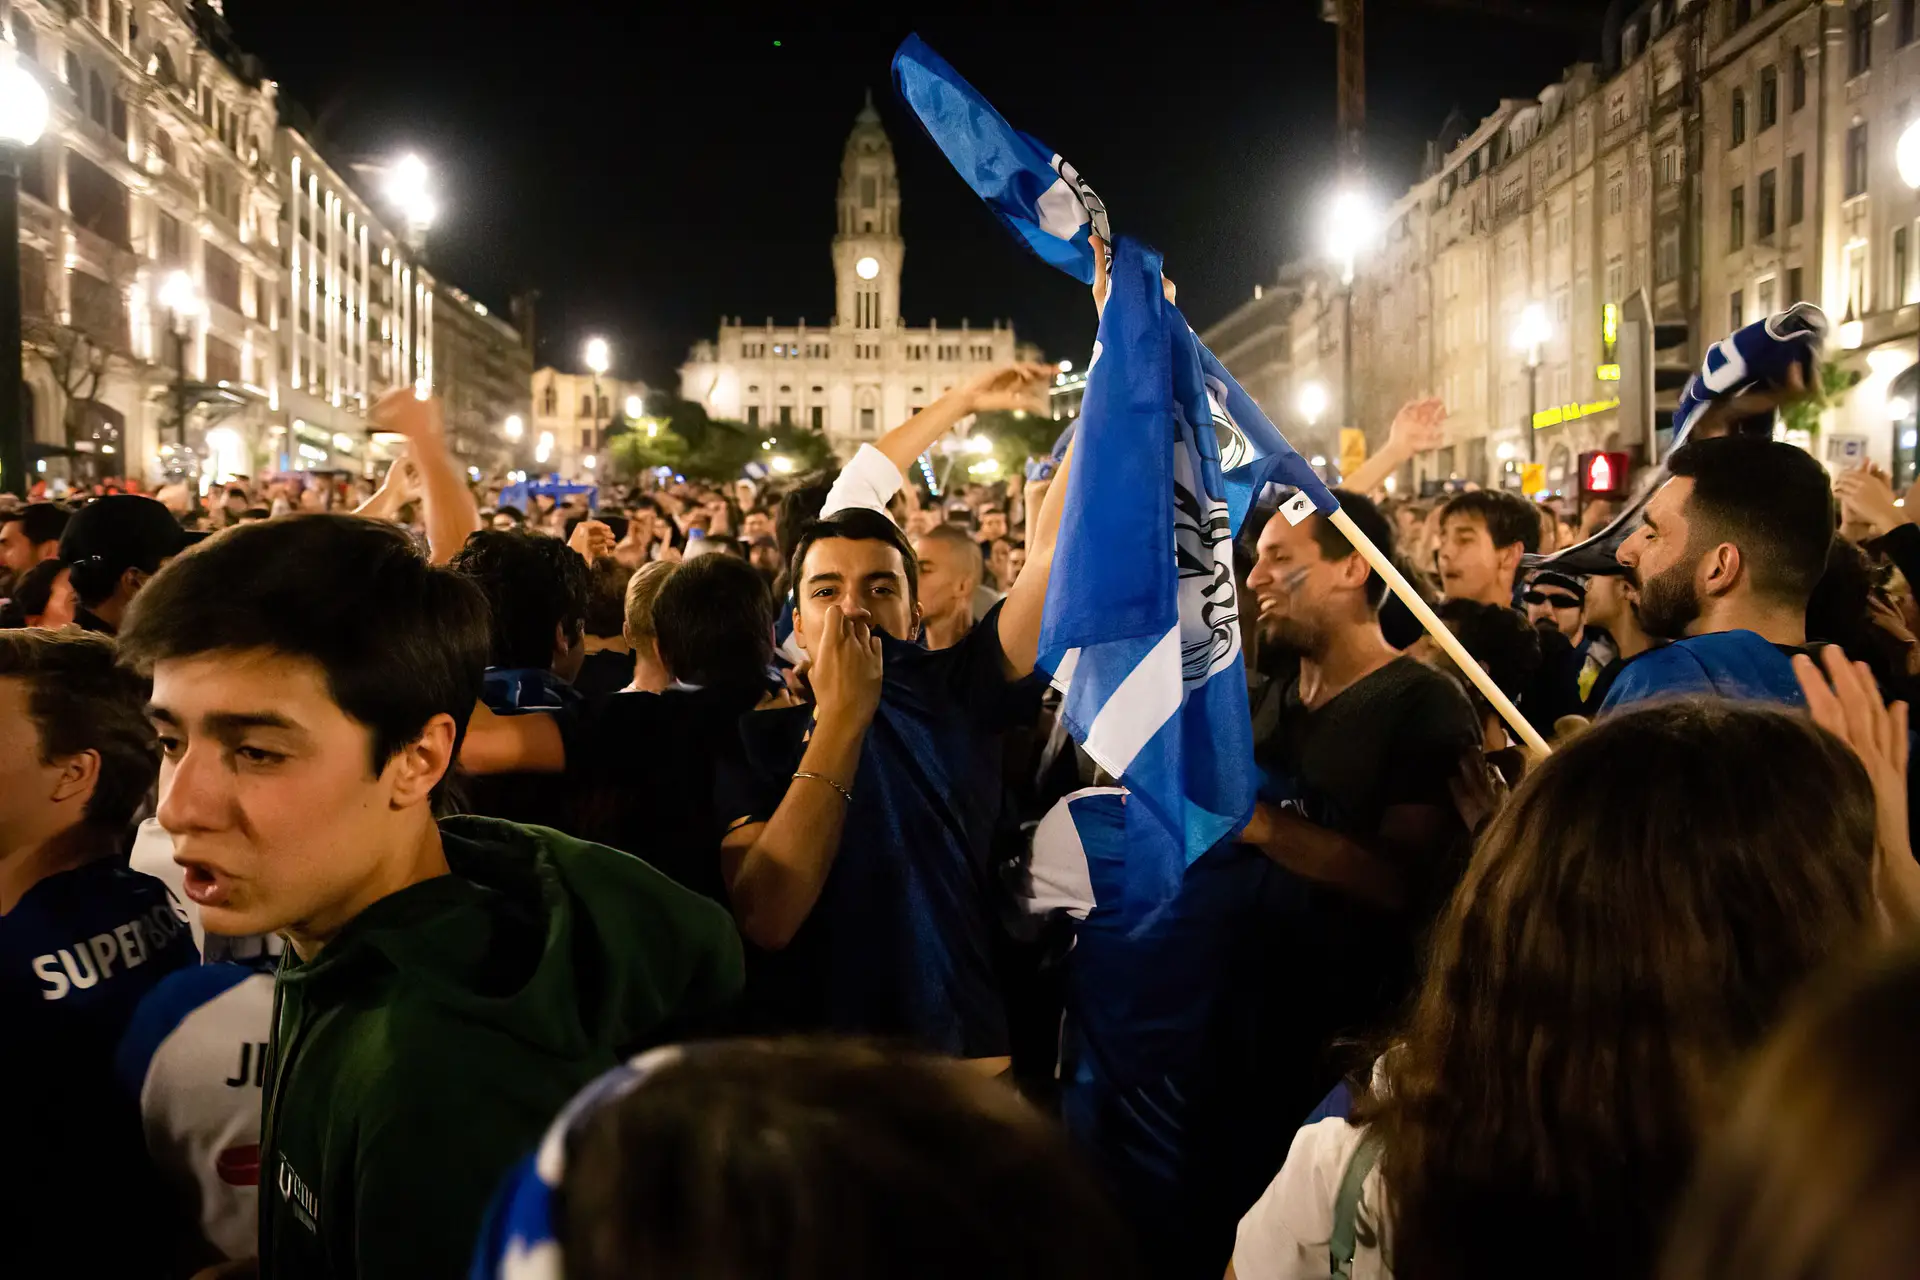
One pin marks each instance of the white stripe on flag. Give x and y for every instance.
(1062, 674)
(1145, 700)
(1060, 210)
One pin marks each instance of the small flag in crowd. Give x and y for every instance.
(1142, 627)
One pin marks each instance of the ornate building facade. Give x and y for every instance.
(866, 371)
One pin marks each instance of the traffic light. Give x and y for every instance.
(1603, 474)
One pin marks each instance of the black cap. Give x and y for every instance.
(123, 531)
(1562, 581)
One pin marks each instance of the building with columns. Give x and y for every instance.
(866, 370)
(571, 414)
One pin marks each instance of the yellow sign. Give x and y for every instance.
(1608, 373)
(1609, 324)
(1353, 449)
(1533, 478)
(1568, 412)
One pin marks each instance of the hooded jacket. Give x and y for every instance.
(427, 1047)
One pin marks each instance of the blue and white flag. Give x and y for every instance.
(1035, 192)
(1142, 626)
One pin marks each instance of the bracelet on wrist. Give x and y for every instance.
(821, 777)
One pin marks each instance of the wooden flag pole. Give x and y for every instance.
(1441, 634)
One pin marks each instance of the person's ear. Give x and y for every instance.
(799, 632)
(131, 580)
(419, 766)
(1721, 569)
(1354, 571)
(79, 774)
(1508, 557)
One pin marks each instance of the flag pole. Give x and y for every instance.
(1441, 633)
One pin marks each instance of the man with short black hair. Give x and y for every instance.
(30, 535)
(1483, 534)
(82, 939)
(1725, 561)
(536, 591)
(114, 545)
(452, 983)
(860, 845)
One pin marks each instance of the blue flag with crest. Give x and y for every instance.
(1142, 629)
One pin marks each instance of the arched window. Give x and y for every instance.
(550, 405)
(163, 147)
(96, 98)
(163, 67)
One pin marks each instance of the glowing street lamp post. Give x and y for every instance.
(23, 118)
(599, 359)
(1528, 337)
(1352, 225)
(1313, 406)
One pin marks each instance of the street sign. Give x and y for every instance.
(1353, 449)
(1533, 478)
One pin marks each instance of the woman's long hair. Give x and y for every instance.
(1815, 1175)
(1629, 925)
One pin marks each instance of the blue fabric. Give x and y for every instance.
(510, 691)
(1730, 664)
(1027, 185)
(517, 495)
(165, 1008)
(900, 942)
(1761, 354)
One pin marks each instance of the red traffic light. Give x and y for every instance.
(1603, 475)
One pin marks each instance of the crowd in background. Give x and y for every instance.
(698, 879)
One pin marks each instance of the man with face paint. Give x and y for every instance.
(1729, 554)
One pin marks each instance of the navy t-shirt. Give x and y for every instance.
(1742, 665)
(77, 954)
(900, 943)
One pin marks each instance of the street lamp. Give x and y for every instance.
(1529, 336)
(181, 298)
(599, 359)
(409, 188)
(1352, 226)
(1313, 405)
(23, 118)
(515, 427)
(634, 408)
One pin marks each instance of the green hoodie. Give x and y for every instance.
(429, 1045)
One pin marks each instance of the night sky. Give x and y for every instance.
(648, 169)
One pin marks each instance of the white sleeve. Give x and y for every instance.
(1059, 878)
(870, 480)
(1286, 1233)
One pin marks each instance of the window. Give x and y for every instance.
(753, 415)
(1909, 11)
(1859, 38)
(117, 116)
(869, 192)
(603, 407)
(222, 278)
(1667, 251)
(1795, 289)
(1742, 13)
(551, 404)
(1857, 160)
(1738, 128)
(586, 406)
(1616, 278)
(786, 415)
(1736, 310)
(97, 98)
(1669, 166)
(1768, 202)
(1899, 293)
(96, 201)
(866, 421)
(75, 81)
(1737, 217)
(1796, 190)
(1766, 297)
(1616, 193)
(1616, 116)
(1799, 79)
(1769, 98)
(170, 249)
(818, 418)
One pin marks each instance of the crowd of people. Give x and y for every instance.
(697, 879)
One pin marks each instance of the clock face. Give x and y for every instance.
(867, 268)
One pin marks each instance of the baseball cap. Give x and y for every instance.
(124, 531)
(1564, 582)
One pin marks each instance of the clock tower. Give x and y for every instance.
(867, 248)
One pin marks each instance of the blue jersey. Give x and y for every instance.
(1741, 665)
(900, 942)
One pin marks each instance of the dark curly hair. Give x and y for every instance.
(533, 585)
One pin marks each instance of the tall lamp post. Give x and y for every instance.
(409, 187)
(1906, 459)
(1529, 335)
(1352, 225)
(1313, 406)
(23, 118)
(181, 298)
(599, 359)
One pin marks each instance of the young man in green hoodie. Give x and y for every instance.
(450, 984)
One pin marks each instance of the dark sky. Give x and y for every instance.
(648, 167)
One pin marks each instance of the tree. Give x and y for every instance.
(642, 446)
(1808, 414)
(75, 357)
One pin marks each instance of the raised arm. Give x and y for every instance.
(1013, 386)
(1020, 615)
(1417, 428)
(776, 869)
(451, 513)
